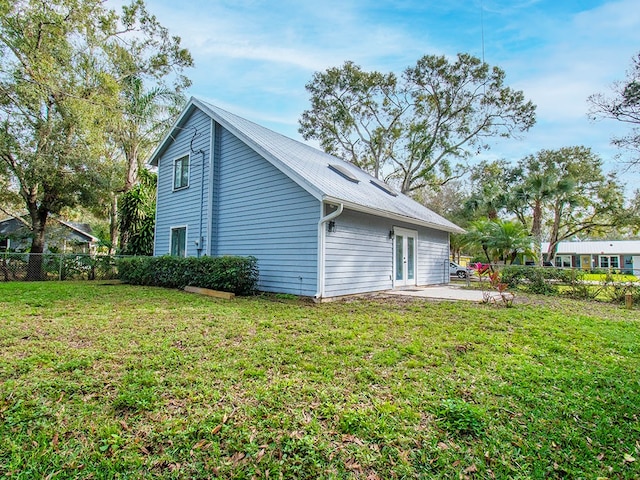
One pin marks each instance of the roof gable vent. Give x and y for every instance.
(384, 187)
(343, 172)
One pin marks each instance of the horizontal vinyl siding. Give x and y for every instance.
(359, 255)
(183, 207)
(433, 256)
(263, 213)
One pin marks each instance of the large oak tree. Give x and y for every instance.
(65, 69)
(410, 129)
(623, 105)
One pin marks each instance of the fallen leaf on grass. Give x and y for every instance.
(199, 444)
(351, 464)
(352, 439)
(628, 458)
(443, 446)
(471, 469)
(237, 457)
(216, 429)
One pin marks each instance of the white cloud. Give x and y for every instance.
(254, 57)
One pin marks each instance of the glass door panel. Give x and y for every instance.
(399, 257)
(410, 258)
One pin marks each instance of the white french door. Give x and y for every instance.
(404, 254)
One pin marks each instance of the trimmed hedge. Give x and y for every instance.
(543, 280)
(238, 275)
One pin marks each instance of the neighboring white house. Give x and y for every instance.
(318, 226)
(622, 255)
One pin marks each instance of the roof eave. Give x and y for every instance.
(394, 216)
(195, 103)
(162, 146)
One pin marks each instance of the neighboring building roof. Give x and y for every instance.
(80, 231)
(10, 225)
(601, 247)
(310, 168)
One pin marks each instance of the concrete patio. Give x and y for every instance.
(440, 292)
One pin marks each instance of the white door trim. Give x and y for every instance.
(404, 234)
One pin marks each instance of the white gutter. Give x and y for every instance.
(396, 216)
(321, 246)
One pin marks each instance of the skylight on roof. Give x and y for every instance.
(343, 172)
(384, 187)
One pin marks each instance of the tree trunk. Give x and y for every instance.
(38, 227)
(555, 231)
(132, 169)
(486, 254)
(113, 224)
(536, 230)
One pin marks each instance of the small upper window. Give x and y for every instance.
(343, 172)
(181, 173)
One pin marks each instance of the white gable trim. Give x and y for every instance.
(292, 174)
(195, 103)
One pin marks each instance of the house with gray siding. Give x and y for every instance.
(61, 236)
(319, 226)
(613, 255)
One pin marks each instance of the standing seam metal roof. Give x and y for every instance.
(308, 166)
(597, 247)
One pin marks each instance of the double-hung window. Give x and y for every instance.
(563, 261)
(181, 172)
(607, 261)
(179, 241)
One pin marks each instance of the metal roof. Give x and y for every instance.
(309, 167)
(600, 247)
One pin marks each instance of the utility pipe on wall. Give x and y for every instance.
(321, 246)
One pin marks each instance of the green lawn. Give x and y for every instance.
(115, 381)
(615, 277)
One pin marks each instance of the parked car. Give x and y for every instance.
(457, 270)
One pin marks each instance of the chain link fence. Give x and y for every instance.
(49, 266)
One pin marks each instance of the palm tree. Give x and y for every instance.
(479, 236)
(498, 239)
(145, 116)
(510, 239)
(542, 182)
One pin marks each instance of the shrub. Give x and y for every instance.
(234, 274)
(543, 280)
(620, 290)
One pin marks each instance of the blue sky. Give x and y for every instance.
(254, 57)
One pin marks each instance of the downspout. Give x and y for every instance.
(212, 159)
(200, 239)
(321, 247)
